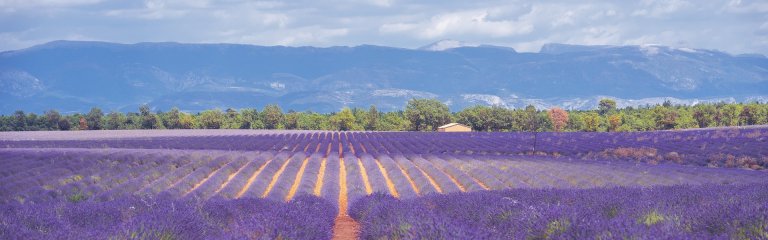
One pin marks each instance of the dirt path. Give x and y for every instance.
(345, 228)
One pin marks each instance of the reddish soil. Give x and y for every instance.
(345, 228)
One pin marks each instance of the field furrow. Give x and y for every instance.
(390, 185)
(318, 188)
(248, 186)
(404, 185)
(297, 180)
(282, 185)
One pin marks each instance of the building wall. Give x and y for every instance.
(456, 128)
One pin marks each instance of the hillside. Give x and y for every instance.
(74, 76)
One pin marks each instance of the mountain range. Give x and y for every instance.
(73, 76)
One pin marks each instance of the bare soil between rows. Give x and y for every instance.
(345, 228)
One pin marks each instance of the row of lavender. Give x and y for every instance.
(662, 212)
(729, 147)
(305, 217)
(45, 175)
(52, 175)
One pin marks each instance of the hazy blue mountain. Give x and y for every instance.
(74, 76)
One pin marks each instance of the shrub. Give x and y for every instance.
(642, 153)
(673, 157)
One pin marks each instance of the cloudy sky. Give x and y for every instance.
(735, 26)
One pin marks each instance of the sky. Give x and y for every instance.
(734, 26)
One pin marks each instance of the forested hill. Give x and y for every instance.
(75, 76)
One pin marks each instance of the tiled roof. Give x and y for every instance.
(451, 125)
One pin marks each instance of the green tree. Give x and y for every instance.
(251, 119)
(34, 123)
(94, 119)
(148, 119)
(762, 114)
(629, 122)
(232, 119)
(52, 118)
(427, 114)
(730, 114)
(704, 115)
(530, 121)
(750, 114)
(291, 120)
(606, 106)
(664, 117)
(211, 119)
(519, 120)
(480, 118)
(591, 122)
(19, 121)
(361, 118)
(667, 103)
(575, 121)
(272, 116)
(477, 117)
(64, 124)
(685, 119)
(230, 113)
(373, 118)
(172, 119)
(501, 119)
(115, 120)
(312, 121)
(543, 123)
(187, 121)
(5, 124)
(343, 120)
(393, 121)
(144, 110)
(74, 121)
(132, 121)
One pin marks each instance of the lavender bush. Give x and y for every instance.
(722, 147)
(163, 217)
(664, 212)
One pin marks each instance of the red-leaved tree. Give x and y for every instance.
(558, 117)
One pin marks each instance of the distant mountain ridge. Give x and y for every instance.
(74, 76)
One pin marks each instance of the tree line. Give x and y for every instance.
(419, 115)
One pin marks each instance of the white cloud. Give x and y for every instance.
(522, 25)
(16, 4)
(14, 40)
(316, 36)
(660, 8)
(668, 38)
(763, 29)
(382, 3)
(747, 6)
(598, 35)
(24, 39)
(564, 19)
(461, 23)
(398, 27)
(311, 36)
(153, 9)
(152, 14)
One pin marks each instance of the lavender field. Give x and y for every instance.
(240, 183)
